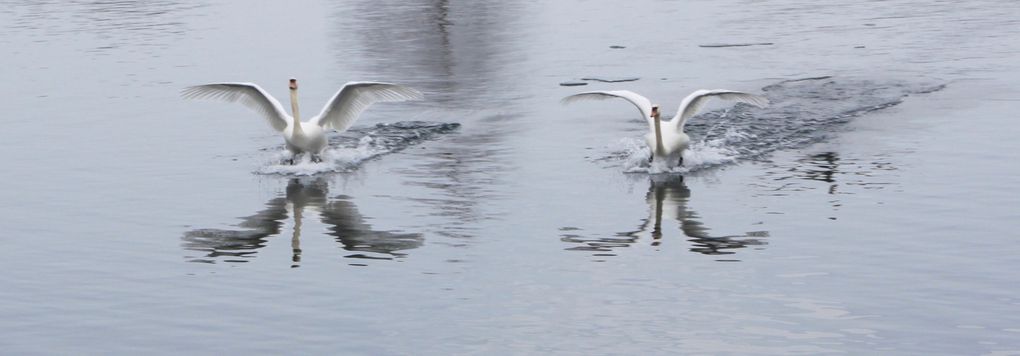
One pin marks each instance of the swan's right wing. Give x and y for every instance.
(642, 103)
(249, 94)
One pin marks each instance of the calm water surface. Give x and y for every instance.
(871, 209)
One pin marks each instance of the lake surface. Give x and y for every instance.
(873, 208)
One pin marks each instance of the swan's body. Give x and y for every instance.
(667, 139)
(306, 136)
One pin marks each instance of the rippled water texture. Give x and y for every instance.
(871, 209)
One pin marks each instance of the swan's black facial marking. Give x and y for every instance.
(293, 84)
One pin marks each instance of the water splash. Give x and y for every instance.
(702, 154)
(351, 148)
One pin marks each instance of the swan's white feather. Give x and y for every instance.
(694, 102)
(642, 103)
(354, 97)
(249, 94)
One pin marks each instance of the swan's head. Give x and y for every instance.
(293, 99)
(655, 111)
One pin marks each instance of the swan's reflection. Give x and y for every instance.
(340, 215)
(668, 197)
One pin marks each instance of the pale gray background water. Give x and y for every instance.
(895, 232)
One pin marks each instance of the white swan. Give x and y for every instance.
(667, 140)
(339, 113)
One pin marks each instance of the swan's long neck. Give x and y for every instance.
(660, 150)
(294, 108)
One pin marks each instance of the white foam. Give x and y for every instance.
(349, 150)
(700, 155)
(334, 160)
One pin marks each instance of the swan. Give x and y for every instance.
(667, 140)
(309, 136)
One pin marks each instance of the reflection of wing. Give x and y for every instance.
(350, 230)
(239, 243)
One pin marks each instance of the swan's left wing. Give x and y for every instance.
(642, 103)
(344, 108)
(694, 102)
(249, 94)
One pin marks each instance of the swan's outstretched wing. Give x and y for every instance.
(343, 109)
(249, 94)
(642, 103)
(694, 102)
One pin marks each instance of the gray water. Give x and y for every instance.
(871, 209)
